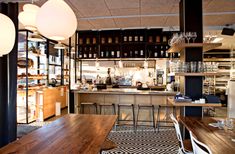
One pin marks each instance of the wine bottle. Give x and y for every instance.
(158, 39)
(107, 53)
(85, 53)
(94, 40)
(150, 40)
(90, 53)
(102, 54)
(112, 53)
(87, 40)
(141, 38)
(118, 54)
(131, 53)
(95, 53)
(116, 40)
(164, 39)
(141, 53)
(136, 53)
(125, 38)
(80, 41)
(130, 38)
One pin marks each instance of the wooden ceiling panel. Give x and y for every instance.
(220, 6)
(153, 21)
(122, 4)
(218, 20)
(127, 22)
(124, 12)
(84, 25)
(172, 21)
(103, 23)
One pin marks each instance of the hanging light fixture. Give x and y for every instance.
(7, 35)
(59, 45)
(28, 16)
(35, 37)
(56, 20)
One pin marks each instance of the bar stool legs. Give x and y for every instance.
(133, 114)
(158, 115)
(151, 107)
(108, 105)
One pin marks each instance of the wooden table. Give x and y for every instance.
(72, 133)
(218, 140)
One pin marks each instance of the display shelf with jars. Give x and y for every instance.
(31, 75)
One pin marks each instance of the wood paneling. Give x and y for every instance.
(73, 133)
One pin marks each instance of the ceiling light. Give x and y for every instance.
(7, 35)
(28, 16)
(59, 46)
(35, 37)
(56, 20)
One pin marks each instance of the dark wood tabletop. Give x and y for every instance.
(218, 140)
(70, 134)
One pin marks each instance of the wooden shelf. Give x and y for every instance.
(198, 74)
(174, 103)
(205, 46)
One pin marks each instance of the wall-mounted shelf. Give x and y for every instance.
(198, 74)
(205, 46)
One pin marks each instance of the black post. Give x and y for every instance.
(191, 21)
(71, 94)
(8, 82)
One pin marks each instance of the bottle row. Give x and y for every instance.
(126, 38)
(151, 52)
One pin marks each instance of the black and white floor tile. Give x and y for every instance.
(144, 141)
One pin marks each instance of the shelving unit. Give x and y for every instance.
(32, 75)
(198, 74)
(205, 46)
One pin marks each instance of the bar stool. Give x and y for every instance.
(146, 107)
(106, 106)
(89, 104)
(165, 106)
(130, 106)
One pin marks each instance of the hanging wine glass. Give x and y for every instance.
(188, 36)
(194, 36)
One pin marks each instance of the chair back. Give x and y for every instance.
(177, 129)
(199, 147)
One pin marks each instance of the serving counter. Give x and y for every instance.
(122, 96)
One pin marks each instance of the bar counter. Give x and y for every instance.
(123, 96)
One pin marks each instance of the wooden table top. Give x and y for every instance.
(72, 133)
(218, 140)
(172, 102)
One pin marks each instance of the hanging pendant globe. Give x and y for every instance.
(7, 35)
(56, 20)
(28, 16)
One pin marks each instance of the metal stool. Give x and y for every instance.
(165, 121)
(133, 113)
(108, 105)
(144, 106)
(83, 104)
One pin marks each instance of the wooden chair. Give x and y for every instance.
(184, 146)
(199, 147)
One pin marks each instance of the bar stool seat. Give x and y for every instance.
(131, 106)
(91, 104)
(142, 107)
(107, 105)
(166, 106)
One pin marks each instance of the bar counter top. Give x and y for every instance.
(126, 91)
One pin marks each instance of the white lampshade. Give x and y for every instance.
(56, 20)
(7, 35)
(28, 16)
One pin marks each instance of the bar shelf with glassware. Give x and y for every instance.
(181, 46)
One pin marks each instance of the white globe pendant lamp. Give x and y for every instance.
(28, 16)
(7, 35)
(56, 20)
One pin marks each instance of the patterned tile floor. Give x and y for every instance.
(144, 141)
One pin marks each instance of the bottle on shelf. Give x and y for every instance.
(80, 41)
(87, 40)
(90, 53)
(141, 38)
(85, 53)
(94, 40)
(80, 52)
(136, 38)
(110, 40)
(162, 53)
(141, 53)
(116, 40)
(102, 54)
(107, 53)
(95, 53)
(150, 39)
(155, 52)
(130, 38)
(125, 38)
(136, 53)
(131, 53)
(166, 53)
(102, 40)
(164, 39)
(113, 53)
(118, 54)
(158, 39)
